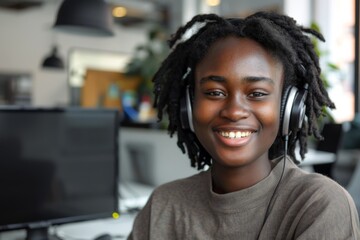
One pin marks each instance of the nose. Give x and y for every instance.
(235, 108)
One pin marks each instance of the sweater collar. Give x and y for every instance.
(252, 197)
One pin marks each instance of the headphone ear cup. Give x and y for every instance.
(292, 110)
(298, 111)
(186, 111)
(282, 109)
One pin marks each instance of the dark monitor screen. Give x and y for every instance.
(57, 166)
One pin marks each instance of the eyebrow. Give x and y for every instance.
(252, 79)
(212, 78)
(248, 79)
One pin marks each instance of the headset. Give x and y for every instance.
(292, 110)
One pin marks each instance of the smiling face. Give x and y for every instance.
(236, 107)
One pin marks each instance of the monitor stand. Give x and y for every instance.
(40, 234)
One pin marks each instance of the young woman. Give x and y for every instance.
(240, 94)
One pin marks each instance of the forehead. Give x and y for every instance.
(240, 54)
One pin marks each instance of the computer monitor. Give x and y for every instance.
(57, 166)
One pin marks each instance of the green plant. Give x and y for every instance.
(147, 59)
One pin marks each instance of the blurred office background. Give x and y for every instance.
(115, 71)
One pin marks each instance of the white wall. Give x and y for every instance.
(26, 37)
(299, 10)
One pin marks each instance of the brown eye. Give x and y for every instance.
(215, 93)
(257, 95)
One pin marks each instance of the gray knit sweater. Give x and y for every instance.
(305, 206)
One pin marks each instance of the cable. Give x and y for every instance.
(286, 139)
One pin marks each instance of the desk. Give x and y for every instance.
(316, 157)
(313, 157)
(120, 228)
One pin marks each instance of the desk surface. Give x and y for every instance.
(313, 157)
(119, 228)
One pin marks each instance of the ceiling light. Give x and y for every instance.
(213, 3)
(119, 12)
(85, 17)
(53, 60)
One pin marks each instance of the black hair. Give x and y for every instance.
(289, 42)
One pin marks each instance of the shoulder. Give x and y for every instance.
(318, 193)
(317, 187)
(314, 182)
(183, 187)
(322, 202)
(311, 182)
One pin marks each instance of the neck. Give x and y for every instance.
(227, 179)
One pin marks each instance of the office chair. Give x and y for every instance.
(332, 133)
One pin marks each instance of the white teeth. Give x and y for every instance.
(237, 134)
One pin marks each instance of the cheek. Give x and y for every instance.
(202, 113)
(269, 116)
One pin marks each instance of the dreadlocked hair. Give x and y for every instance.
(279, 34)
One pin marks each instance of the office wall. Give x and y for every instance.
(26, 37)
